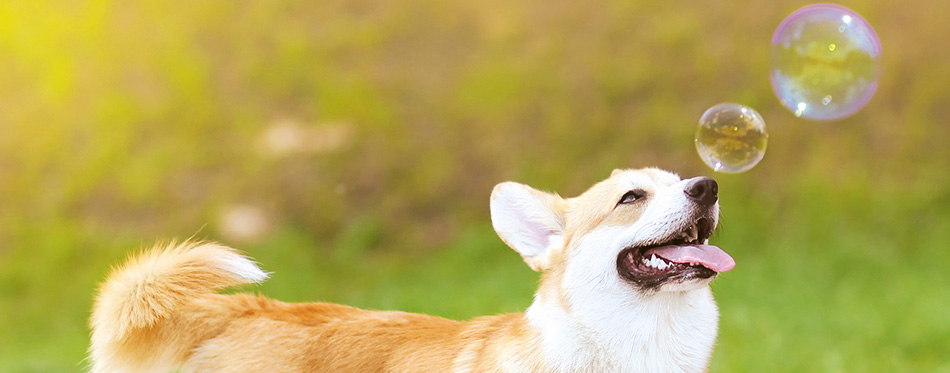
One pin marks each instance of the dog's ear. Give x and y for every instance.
(528, 220)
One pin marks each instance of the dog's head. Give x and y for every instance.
(644, 231)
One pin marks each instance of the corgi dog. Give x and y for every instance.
(626, 268)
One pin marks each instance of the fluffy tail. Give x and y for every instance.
(137, 319)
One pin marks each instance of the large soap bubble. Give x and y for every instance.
(825, 62)
(731, 138)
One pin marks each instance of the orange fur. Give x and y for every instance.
(158, 312)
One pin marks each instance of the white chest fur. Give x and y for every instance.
(663, 332)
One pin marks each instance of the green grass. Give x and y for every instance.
(123, 123)
(834, 290)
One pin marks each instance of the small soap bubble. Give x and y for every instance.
(826, 60)
(731, 138)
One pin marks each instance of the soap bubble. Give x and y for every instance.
(825, 62)
(731, 138)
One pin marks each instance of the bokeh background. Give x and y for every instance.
(350, 146)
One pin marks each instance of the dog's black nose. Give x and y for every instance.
(703, 190)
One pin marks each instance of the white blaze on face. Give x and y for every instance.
(666, 212)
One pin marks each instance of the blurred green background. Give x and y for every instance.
(351, 146)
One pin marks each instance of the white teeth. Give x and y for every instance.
(656, 262)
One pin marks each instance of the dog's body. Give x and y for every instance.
(624, 288)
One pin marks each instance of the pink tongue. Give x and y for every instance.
(708, 255)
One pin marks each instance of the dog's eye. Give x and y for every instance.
(632, 196)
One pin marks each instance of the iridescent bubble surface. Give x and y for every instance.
(826, 60)
(731, 138)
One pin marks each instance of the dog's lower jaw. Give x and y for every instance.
(660, 332)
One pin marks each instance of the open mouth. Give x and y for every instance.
(680, 257)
